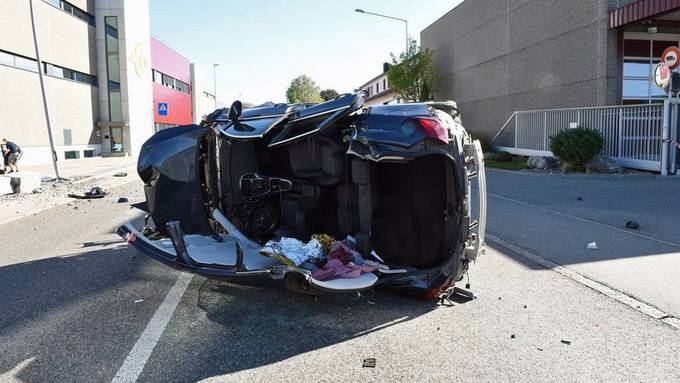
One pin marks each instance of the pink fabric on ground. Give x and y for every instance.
(333, 269)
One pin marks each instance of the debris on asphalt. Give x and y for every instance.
(123, 200)
(592, 246)
(95, 192)
(499, 298)
(369, 362)
(579, 198)
(567, 342)
(632, 225)
(37, 190)
(525, 306)
(120, 174)
(539, 349)
(371, 303)
(139, 301)
(513, 336)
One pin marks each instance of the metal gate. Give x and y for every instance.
(632, 133)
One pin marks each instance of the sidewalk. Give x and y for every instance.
(82, 168)
(81, 176)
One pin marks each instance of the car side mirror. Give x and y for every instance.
(235, 110)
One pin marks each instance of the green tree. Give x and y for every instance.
(329, 94)
(303, 89)
(413, 75)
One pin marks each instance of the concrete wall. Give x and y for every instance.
(498, 56)
(201, 103)
(66, 41)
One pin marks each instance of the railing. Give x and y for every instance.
(632, 133)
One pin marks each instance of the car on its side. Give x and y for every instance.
(395, 179)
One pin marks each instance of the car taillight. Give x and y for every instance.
(431, 128)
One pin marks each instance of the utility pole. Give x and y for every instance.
(44, 96)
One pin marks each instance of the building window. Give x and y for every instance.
(384, 84)
(640, 59)
(88, 153)
(157, 77)
(29, 64)
(170, 82)
(71, 155)
(377, 87)
(72, 10)
(113, 69)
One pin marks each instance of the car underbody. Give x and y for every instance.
(394, 179)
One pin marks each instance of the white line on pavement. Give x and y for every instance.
(134, 363)
(669, 243)
(627, 300)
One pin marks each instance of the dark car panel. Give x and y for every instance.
(168, 165)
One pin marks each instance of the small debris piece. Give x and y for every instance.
(120, 174)
(499, 298)
(37, 190)
(123, 200)
(567, 342)
(369, 362)
(579, 198)
(632, 225)
(139, 301)
(525, 306)
(513, 336)
(592, 246)
(371, 303)
(539, 349)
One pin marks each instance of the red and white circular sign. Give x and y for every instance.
(662, 75)
(671, 57)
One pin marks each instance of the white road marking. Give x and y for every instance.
(627, 300)
(136, 360)
(668, 243)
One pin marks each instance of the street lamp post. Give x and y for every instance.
(388, 17)
(44, 96)
(215, 83)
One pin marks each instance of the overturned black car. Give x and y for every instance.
(327, 197)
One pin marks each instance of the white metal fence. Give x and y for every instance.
(632, 133)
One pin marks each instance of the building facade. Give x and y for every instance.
(172, 91)
(495, 57)
(109, 85)
(378, 89)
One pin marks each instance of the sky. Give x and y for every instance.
(261, 46)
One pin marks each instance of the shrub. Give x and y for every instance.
(503, 157)
(576, 147)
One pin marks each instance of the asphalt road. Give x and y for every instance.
(543, 213)
(68, 288)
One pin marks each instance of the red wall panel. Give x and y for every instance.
(179, 105)
(167, 61)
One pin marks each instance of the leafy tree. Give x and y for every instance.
(329, 94)
(303, 89)
(413, 75)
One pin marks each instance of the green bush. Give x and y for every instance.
(503, 157)
(576, 147)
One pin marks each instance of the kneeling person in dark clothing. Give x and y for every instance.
(12, 152)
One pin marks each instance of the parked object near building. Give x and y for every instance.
(392, 180)
(506, 61)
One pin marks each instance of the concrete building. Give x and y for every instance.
(202, 97)
(378, 89)
(500, 56)
(107, 81)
